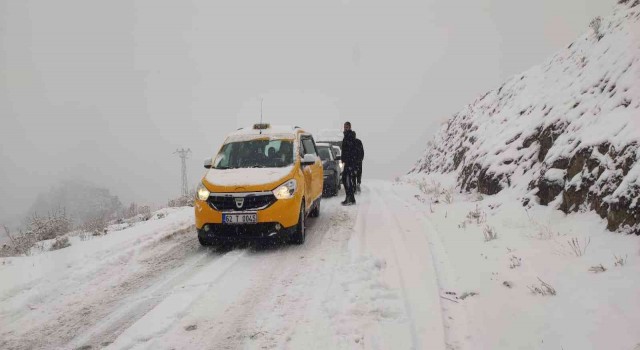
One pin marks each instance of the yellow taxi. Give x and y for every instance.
(262, 184)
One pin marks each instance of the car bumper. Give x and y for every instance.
(329, 182)
(284, 212)
(221, 233)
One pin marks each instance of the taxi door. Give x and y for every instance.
(313, 173)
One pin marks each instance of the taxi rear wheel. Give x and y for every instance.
(315, 212)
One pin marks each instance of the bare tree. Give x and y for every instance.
(19, 243)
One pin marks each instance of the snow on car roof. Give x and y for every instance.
(321, 144)
(272, 131)
(330, 135)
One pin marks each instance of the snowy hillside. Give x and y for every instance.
(565, 133)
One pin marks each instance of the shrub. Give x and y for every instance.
(579, 249)
(183, 201)
(448, 196)
(619, 261)
(145, 213)
(597, 269)
(96, 226)
(136, 213)
(477, 215)
(515, 262)
(60, 242)
(543, 289)
(55, 224)
(489, 233)
(545, 232)
(465, 295)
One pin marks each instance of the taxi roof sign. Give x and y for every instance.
(261, 126)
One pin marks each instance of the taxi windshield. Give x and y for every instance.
(255, 154)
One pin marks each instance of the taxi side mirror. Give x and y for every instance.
(309, 159)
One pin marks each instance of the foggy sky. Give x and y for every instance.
(107, 90)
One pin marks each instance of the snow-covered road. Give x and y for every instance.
(369, 276)
(408, 267)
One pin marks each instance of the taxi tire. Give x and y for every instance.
(315, 212)
(299, 235)
(204, 242)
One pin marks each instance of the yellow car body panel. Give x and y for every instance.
(309, 180)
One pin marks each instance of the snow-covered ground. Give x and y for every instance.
(397, 271)
(591, 308)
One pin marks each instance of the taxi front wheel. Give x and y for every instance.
(300, 232)
(204, 242)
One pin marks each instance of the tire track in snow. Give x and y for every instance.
(176, 298)
(222, 308)
(282, 270)
(140, 301)
(456, 332)
(358, 245)
(417, 312)
(68, 311)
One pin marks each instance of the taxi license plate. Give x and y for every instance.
(235, 219)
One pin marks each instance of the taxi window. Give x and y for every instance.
(308, 146)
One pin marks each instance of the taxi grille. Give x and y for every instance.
(249, 202)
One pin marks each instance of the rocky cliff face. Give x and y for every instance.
(565, 133)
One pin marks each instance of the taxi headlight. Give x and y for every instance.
(286, 190)
(202, 193)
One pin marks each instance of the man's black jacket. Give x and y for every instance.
(350, 154)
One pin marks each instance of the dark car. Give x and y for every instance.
(337, 153)
(331, 168)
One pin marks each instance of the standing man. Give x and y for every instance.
(350, 159)
(360, 153)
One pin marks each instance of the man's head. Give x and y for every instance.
(347, 126)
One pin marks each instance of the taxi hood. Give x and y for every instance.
(246, 179)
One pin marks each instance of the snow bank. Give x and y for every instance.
(591, 308)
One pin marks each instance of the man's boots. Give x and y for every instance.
(350, 200)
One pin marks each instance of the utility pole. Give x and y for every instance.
(184, 155)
